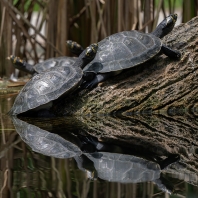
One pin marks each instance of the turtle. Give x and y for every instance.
(49, 63)
(40, 67)
(124, 168)
(45, 87)
(127, 49)
(44, 142)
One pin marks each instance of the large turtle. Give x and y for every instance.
(49, 63)
(127, 49)
(43, 88)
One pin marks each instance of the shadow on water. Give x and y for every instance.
(133, 156)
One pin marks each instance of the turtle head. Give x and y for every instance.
(165, 26)
(87, 55)
(91, 51)
(20, 64)
(74, 47)
(16, 61)
(170, 21)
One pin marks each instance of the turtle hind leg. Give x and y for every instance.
(171, 53)
(94, 83)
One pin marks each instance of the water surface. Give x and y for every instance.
(26, 173)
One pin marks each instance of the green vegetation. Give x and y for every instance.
(171, 3)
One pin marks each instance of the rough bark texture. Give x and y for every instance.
(152, 107)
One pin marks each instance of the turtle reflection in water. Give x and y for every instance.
(44, 142)
(115, 167)
(108, 166)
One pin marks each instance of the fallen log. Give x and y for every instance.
(153, 106)
(159, 85)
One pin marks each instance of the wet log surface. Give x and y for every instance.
(153, 106)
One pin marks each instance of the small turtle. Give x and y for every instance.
(128, 49)
(45, 87)
(44, 142)
(49, 63)
(41, 67)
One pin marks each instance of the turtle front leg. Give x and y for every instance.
(173, 54)
(21, 64)
(94, 83)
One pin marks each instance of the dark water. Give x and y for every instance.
(117, 171)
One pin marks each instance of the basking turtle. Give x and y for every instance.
(49, 63)
(41, 67)
(45, 87)
(128, 49)
(44, 142)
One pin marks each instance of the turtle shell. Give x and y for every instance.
(44, 142)
(123, 168)
(52, 62)
(45, 87)
(124, 50)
